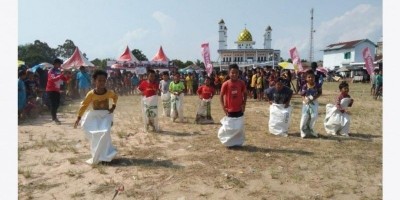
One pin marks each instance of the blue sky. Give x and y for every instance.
(103, 28)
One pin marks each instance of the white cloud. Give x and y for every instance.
(167, 23)
(364, 21)
(131, 36)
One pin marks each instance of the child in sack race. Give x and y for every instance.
(176, 88)
(337, 119)
(165, 95)
(309, 114)
(233, 99)
(149, 89)
(97, 123)
(206, 93)
(279, 110)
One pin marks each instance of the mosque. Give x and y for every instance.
(245, 55)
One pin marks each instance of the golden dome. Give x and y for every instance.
(245, 35)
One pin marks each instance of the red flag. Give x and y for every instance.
(294, 55)
(205, 52)
(369, 63)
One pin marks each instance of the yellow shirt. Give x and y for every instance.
(99, 102)
(253, 80)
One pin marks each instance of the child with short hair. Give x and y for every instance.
(233, 99)
(280, 109)
(206, 93)
(97, 122)
(176, 88)
(337, 119)
(165, 95)
(309, 114)
(149, 89)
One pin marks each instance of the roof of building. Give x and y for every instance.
(269, 28)
(346, 45)
(245, 35)
(221, 22)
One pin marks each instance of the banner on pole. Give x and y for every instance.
(294, 55)
(205, 52)
(369, 63)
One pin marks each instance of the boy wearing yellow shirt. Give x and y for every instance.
(97, 122)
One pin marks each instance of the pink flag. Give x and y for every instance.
(295, 58)
(369, 65)
(205, 52)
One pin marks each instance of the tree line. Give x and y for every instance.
(39, 52)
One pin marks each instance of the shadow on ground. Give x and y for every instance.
(250, 148)
(122, 162)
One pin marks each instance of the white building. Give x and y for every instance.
(245, 55)
(345, 54)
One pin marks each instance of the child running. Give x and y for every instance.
(176, 88)
(206, 93)
(149, 90)
(280, 109)
(233, 101)
(165, 95)
(97, 122)
(337, 119)
(309, 114)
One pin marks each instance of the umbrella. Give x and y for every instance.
(20, 62)
(44, 65)
(322, 69)
(343, 69)
(286, 65)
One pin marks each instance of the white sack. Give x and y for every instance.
(279, 119)
(204, 107)
(309, 115)
(177, 107)
(336, 121)
(231, 132)
(97, 127)
(166, 102)
(150, 112)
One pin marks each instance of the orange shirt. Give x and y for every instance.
(234, 93)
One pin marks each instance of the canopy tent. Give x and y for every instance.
(190, 69)
(127, 56)
(160, 56)
(76, 60)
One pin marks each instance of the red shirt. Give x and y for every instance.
(54, 80)
(148, 89)
(234, 92)
(205, 92)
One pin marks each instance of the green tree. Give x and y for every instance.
(66, 50)
(36, 53)
(178, 63)
(139, 55)
(188, 63)
(101, 64)
(289, 60)
(200, 64)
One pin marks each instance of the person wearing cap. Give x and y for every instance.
(54, 80)
(82, 82)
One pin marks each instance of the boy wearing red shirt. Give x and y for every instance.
(149, 89)
(205, 92)
(233, 101)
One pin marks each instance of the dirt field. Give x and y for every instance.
(187, 161)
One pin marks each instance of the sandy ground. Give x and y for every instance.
(187, 161)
